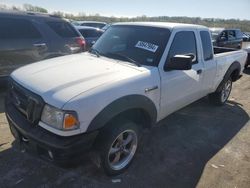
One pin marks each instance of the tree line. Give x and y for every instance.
(244, 25)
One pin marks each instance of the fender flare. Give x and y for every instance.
(123, 104)
(235, 66)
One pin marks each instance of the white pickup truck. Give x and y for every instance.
(134, 76)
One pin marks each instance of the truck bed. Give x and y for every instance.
(225, 57)
(218, 50)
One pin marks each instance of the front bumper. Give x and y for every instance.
(36, 140)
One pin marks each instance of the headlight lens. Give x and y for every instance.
(59, 119)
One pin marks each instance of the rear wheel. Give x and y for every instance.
(220, 97)
(118, 145)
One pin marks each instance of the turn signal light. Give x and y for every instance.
(70, 122)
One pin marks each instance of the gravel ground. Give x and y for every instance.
(198, 146)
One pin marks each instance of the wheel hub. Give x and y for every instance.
(226, 91)
(122, 150)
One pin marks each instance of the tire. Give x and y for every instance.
(220, 97)
(117, 146)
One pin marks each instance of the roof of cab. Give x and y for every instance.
(168, 25)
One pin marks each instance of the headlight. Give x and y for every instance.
(59, 119)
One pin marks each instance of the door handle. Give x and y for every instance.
(199, 71)
(40, 45)
(151, 89)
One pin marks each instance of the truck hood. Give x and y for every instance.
(60, 79)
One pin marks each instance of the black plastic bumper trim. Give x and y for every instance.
(41, 141)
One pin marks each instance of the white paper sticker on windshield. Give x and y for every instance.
(146, 46)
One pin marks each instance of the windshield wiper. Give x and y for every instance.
(122, 57)
(95, 51)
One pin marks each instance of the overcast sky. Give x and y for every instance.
(238, 9)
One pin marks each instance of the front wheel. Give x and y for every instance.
(220, 97)
(118, 146)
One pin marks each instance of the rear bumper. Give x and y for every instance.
(36, 140)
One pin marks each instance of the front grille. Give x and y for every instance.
(29, 104)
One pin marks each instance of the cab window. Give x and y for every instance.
(184, 43)
(206, 45)
(231, 35)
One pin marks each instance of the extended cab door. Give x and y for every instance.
(181, 87)
(210, 65)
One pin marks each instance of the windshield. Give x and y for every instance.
(141, 44)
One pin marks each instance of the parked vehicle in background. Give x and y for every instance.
(248, 33)
(134, 76)
(230, 38)
(90, 34)
(246, 37)
(96, 24)
(29, 37)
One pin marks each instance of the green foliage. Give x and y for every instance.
(31, 8)
(244, 25)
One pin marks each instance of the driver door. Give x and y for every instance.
(182, 87)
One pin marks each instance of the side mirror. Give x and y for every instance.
(180, 62)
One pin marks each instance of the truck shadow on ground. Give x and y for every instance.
(171, 155)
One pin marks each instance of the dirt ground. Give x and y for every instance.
(198, 146)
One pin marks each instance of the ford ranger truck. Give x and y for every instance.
(135, 75)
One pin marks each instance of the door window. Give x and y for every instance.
(184, 43)
(231, 35)
(223, 36)
(12, 28)
(63, 29)
(206, 45)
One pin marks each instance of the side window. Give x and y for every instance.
(223, 36)
(84, 32)
(11, 28)
(184, 43)
(63, 29)
(231, 35)
(206, 45)
(239, 34)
